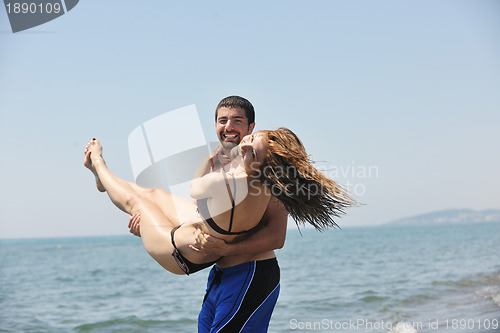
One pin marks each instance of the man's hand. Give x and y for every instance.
(208, 244)
(134, 224)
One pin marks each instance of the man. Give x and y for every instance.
(243, 287)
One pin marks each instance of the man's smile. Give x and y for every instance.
(229, 136)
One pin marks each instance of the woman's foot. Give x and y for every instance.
(93, 150)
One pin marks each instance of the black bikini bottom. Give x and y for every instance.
(187, 266)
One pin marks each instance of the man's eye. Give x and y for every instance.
(253, 154)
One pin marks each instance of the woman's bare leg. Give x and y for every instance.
(119, 191)
(161, 198)
(155, 233)
(88, 163)
(156, 225)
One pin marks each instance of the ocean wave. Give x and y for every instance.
(476, 280)
(403, 327)
(373, 299)
(491, 293)
(132, 324)
(370, 296)
(418, 299)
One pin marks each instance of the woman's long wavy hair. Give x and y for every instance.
(307, 194)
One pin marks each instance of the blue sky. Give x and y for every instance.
(408, 88)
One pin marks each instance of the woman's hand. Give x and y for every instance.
(207, 244)
(218, 155)
(223, 159)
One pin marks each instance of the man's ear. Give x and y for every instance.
(251, 127)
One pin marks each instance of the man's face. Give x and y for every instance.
(232, 126)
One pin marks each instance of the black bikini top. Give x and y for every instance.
(203, 210)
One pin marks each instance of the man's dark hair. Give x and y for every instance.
(237, 102)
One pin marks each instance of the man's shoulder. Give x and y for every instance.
(275, 209)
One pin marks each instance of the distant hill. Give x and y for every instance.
(451, 216)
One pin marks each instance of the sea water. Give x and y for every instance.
(441, 278)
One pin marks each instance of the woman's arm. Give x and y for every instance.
(206, 181)
(207, 165)
(208, 186)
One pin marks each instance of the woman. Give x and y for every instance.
(229, 203)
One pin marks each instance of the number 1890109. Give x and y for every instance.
(33, 8)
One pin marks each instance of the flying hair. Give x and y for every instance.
(308, 195)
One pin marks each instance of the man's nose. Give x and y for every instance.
(229, 125)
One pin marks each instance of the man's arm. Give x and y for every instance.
(270, 237)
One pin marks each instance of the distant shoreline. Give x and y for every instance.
(450, 216)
